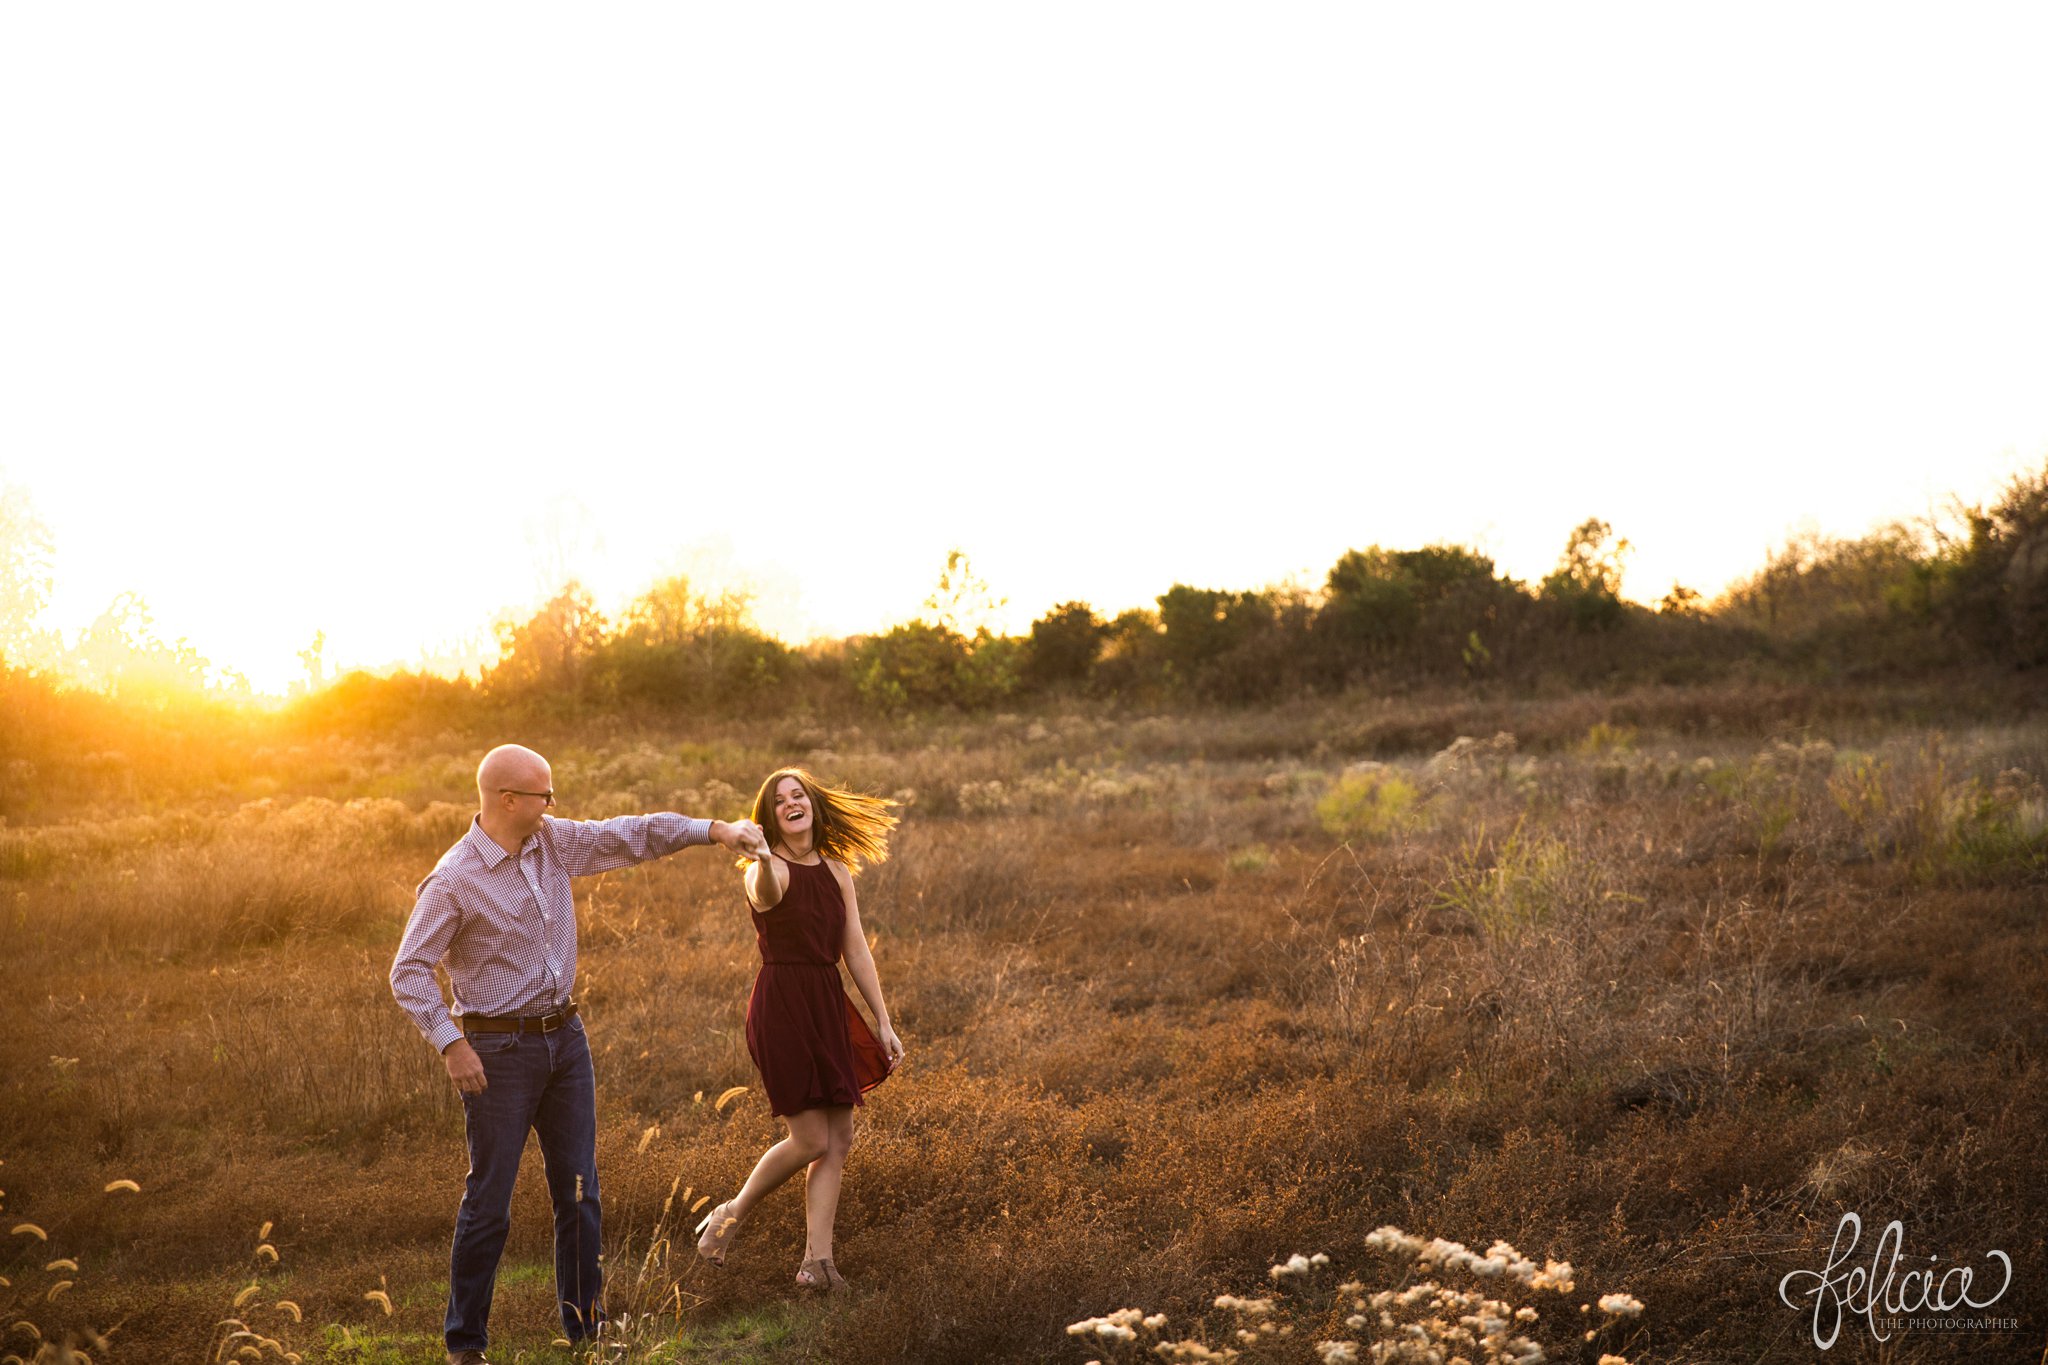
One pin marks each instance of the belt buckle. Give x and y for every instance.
(546, 1027)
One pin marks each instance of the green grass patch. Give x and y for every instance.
(1519, 885)
(748, 1337)
(743, 1338)
(339, 1345)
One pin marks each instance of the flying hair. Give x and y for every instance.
(851, 827)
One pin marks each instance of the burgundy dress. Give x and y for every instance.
(809, 1043)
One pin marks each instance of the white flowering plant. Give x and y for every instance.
(1454, 1306)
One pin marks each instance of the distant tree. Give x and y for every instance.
(1065, 642)
(2022, 507)
(1430, 609)
(121, 653)
(2019, 523)
(962, 600)
(673, 612)
(1269, 649)
(1383, 596)
(932, 661)
(679, 647)
(313, 658)
(995, 668)
(1968, 583)
(1198, 625)
(1681, 601)
(1442, 572)
(1592, 560)
(1234, 646)
(551, 651)
(1371, 596)
(1132, 659)
(916, 664)
(1815, 584)
(1986, 580)
(1587, 581)
(25, 552)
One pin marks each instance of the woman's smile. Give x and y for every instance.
(792, 806)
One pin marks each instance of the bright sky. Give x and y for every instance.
(378, 319)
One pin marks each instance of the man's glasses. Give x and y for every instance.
(546, 796)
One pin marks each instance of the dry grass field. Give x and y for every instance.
(1658, 984)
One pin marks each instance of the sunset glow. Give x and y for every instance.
(1329, 682)
(384, 325)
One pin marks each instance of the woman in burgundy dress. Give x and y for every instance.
(815, 1053)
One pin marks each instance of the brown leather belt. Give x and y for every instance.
(540, 1023)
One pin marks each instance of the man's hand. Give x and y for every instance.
(465, 1068)
(741, 836)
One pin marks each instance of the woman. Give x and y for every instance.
(815, 1053)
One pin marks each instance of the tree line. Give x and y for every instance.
(1903, 598)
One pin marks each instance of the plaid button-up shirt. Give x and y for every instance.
(505, 926)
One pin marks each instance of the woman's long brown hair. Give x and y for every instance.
(848, 826)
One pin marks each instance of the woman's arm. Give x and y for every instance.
(861, 963)
(766, 880)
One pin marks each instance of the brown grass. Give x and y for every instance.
(1663, 998)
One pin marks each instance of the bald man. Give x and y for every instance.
(497, 913)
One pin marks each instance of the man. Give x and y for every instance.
(498, 913)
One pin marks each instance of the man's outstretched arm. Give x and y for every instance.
(590, 846)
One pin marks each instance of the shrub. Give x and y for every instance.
(1369, 804)
(1963, 831)
(1993, 832)
(681, 648)
(994, 669)
(1371, 598)
(1236, 646)
(914, 664)
(1132, 658)
(1604, 740)
(1065, 643)
(1427, 608)
(1200, 624)
(920, 664)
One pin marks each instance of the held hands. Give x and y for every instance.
(465, 1068)
(741, 836)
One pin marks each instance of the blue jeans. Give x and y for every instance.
(543, 1082)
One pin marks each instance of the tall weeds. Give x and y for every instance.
(1660, 982)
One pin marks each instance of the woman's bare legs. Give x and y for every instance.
(809, 1140)
(821, 1182)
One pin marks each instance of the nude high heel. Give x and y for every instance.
(714, 1232)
